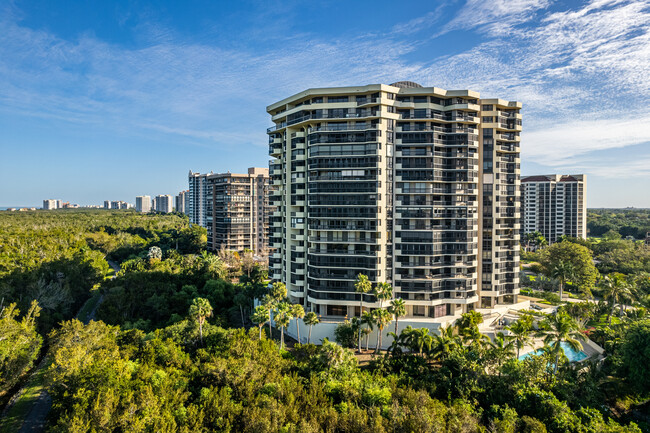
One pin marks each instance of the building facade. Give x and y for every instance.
(182, 205)
(555, 205)
(198, 198)
(164, 203)
(143, 203)
(237, 211)
(414, 186)
(50, 204)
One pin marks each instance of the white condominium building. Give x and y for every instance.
(50, 204)
(143, 203)
(410, 185)
(198, 198)
(164, 203)
(555, 205)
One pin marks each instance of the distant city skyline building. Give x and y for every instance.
(414, 186)
(182, 202)
(143, 203)
(118, 204)
(555, 205)
(237, 210)
(164, 203)
(51, 204)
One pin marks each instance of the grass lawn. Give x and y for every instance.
(12, 422)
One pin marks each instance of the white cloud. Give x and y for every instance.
(557, 144)
(495, 17)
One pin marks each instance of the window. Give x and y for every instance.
(487, 108)
(419, 310)
(337, 99)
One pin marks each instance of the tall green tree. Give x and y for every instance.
(617, 291)
(368, 321)
(362, 286)
(298, 313)
(382, 318)
(310, 320)
(260, 316)
(580, 258)
(500, 350)
(444, 343)
(521, 332)
(564, 272)
(200, 310)
(397, 309)
(560, 328)
(282, 317)
(383, 292)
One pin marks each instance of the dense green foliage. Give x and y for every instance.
(106, 379)
(162, 358)
(19, 344)
(56, 258)
(626, 222)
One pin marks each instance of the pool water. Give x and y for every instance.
(570, 353)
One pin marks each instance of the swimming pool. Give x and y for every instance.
(570, 353)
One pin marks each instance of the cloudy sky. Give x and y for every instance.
(109, 100)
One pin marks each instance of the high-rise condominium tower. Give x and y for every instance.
(414, 186)
(164, 203)
(197, 198)
(555, 205)
(182, 202)
(237, 211)
(143, 203)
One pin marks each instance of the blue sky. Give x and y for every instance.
(112, 99)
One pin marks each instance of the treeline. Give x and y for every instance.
(57, 258)
(156, 291)
(104, 378)
(626, 222)
(52, 262)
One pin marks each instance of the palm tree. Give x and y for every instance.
(270, 303)
(362, 286)
(617, 290)
(201, 310)
(558, 328)
(398, 309)
(368, 320)
(521, 330)
(382, 318)
(420, 338)
(383, 292)
(241, 300)
(564, 272)
(298, 312)
(444, 343)
(501, 349)
(260, 316)
(310, 320)
(283, 318)
(278, 291)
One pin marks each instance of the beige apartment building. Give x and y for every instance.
(410, 185)
(555, 205)
(237, 209)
